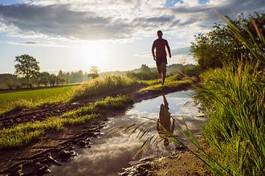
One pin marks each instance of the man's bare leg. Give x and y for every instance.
(160, 72)
(163, 72)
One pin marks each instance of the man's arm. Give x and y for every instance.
(168, 49)
(153, 51)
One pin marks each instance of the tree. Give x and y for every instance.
(93, 73)
(28, 68)
(44, 78)
(144, 73)
(61, 77)
(145, 69)
(52, 80)
(226, 44)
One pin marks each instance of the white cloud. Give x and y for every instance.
(216, 3)
(112, 19)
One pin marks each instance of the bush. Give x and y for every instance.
(144, 73)
(230, 44)
(193, 70)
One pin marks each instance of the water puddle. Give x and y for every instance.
(118, 146)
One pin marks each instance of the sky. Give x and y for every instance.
(70, 35)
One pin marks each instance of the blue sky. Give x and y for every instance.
(10, 1)
(171, 3)
(77, 34)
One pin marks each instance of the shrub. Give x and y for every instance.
(229, 44)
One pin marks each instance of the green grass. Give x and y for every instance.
(25, 133)
(32, 98)
(234, 103)
(171, 82)
(150, 82)
(102, 85)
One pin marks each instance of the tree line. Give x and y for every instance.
(28, 75)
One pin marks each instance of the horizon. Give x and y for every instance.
(104, 72)
(74, 35)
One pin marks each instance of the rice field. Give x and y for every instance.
(33, 98)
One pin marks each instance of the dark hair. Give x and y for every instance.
(159, 31)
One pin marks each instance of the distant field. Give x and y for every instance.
(33, 98)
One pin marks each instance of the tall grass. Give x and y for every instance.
(102, 85)
(234, 100)
(235, 105)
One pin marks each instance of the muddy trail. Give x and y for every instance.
(57, 148)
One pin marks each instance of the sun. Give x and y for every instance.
(91, 54)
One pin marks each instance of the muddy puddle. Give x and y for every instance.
(122, 137)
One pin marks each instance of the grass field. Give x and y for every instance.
(33, 98)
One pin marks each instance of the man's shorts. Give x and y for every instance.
(159, 61)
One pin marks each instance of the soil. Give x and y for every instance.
(59, 147)
(181, 163)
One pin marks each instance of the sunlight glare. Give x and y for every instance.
(92, 54)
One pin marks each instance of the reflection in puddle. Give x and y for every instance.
(165, 123)
(101, 159)
(113, 151)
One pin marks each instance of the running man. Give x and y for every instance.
(160, 55)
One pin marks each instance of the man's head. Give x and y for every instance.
(159, 34)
